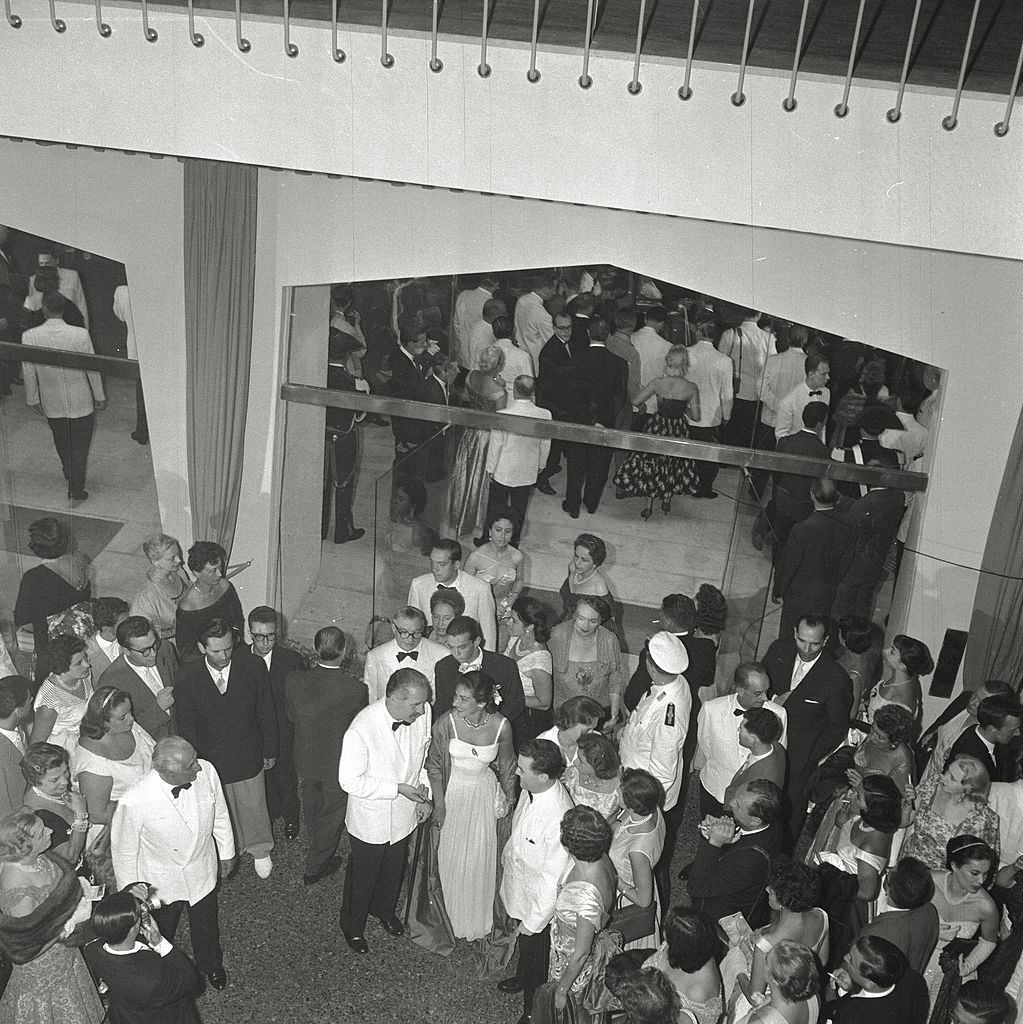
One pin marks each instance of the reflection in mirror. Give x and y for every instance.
(77, 491)
(560, 521)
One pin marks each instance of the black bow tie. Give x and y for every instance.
(176, 790)
(739, 712)
(812, 393)
(395, 726)
(402, 655)
(444, 586)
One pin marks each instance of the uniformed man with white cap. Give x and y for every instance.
(653, 737)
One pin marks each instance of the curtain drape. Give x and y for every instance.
(220, 264)
(995, 647)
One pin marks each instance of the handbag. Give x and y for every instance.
(632, 922)
(545, 1012)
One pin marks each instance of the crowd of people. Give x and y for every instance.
(528, 803)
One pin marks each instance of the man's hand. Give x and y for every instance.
(721, 833)
(101, 405)
(149, 931)
(268, 763)
(165, 698)
(423, 811)
(227, 866)
(417, 794)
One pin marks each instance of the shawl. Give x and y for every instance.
(23, 938)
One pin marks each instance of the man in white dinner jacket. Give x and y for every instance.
(533, 861)
(410, 648)
(169, 830)
(382, 771)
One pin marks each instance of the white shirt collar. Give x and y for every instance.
(472, 666)
(987, 743)
(125, 952)
(873, 995)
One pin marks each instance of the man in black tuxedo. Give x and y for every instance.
(597, 391)
(734, 854)
(876, 518)
(412, 379)
(817, 555)
(998, 724)
(280, 661)
(321, 703)
(341, 444)
(879, 986)
(790, 500)
(147, 978)
(816, 693)
(464, 640)
(224, 708)
(556, 362)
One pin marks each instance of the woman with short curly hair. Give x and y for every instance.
(794, 979)
(586, 894)
(793, 894)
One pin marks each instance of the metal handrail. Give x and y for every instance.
(701, 451)
(111, 365)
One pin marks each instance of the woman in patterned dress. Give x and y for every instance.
(678, 400)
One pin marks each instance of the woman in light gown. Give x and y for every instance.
(905, 661)
(599, 772)
(496, 562)
(636, 848)
(471, 766)
(50, 983)
(792, 974)
(686, 958)
(467, 493)
(793, 892)
(64, 695)
(964, 908)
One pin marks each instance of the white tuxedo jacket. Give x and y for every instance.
(173, 844)
(374, 759)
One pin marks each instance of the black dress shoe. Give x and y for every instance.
(707, 494)
(330, 865)
(291, 830)
(510, 985)
(354, 535)
(218, 979)
(573, 515)
(140, 438)
(356, 942)
(592, 511)
(392, 925)
(544, 487)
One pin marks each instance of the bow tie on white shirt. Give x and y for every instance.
(471, 666)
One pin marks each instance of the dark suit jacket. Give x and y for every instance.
(321, 703)
(409, 382)
(999, 767)
(818, 712)
(283, 661)
(146, 988)
(12, 782)
(771, 768)
(157, 722)
(502, 670)
(869, 447)
(876, 518)
(816, 556)
(907, 1003)
(597, 387)
(234, 731)
(914, 932)
(552, 373)
(729, 879)
(792, 492)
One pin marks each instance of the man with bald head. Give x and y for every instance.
(170, 830)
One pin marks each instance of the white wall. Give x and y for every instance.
(858, 177)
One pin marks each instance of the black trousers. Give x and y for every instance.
(534, 963)
(662, 870)
(588, 467)
(141, 420)
(325, 804)
(553, 458)
(340, 455)
(796, 794)
(203, 926)
(709, 805)
(516, 498)
(372, 882)
(282, 781)
(72, 438)
(706, 471)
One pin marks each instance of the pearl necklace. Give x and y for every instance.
(475, 725)
(577, 578)
(65, 799)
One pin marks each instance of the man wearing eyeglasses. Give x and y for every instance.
(145, 670)
(410, 648)
(280, 661)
